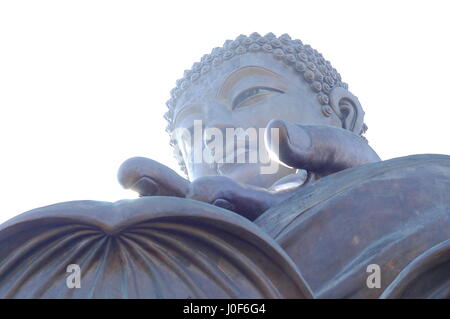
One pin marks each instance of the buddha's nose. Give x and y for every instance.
(218, 118)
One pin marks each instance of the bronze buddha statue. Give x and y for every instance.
(258, 84)
(283, 198)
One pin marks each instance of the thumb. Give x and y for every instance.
(288, 143)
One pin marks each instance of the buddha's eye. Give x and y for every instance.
(254, 95)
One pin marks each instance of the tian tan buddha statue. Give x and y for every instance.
(281, 197)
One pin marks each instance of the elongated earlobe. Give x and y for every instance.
(348, 109)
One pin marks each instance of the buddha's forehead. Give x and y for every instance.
(258, 69)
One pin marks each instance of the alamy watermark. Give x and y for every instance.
(74, 279)
(374, 279)
(231, 145)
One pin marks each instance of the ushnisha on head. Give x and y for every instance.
(313, 92)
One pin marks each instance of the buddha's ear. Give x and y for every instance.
(348, 108)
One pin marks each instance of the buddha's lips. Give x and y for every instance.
(240, 155)
(230, 161)
(231, 169)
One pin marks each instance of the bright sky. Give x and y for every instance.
(83, 84)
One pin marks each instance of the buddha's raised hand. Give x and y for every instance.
(318, 149)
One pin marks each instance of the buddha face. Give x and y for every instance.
(245, 92)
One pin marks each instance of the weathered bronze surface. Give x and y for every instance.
(387, 213)
(153, 247)
(311, 228)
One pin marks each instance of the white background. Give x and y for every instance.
(83, 84)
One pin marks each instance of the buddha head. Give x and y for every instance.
(244, 85)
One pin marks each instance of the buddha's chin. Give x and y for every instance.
(248, 173)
